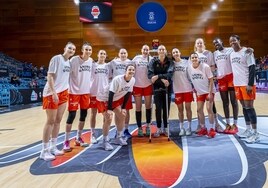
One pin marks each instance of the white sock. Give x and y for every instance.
(189, 125)
(105, 138)
(79, 133)
(119, 133)
(248, 126)
(53, 142)
(45, 145)
(181, 125)
(235, 121)
(67, 136)
(228, 121)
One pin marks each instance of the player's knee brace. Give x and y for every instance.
(252, 115)
(71, 117)
(83, 114)
(246, 116)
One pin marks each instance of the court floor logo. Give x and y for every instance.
(224, 161)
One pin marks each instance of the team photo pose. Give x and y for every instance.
(117, 67)
(202, 80)
(99, 80)
(79, 94)
(160, 72)
(183, 91)
(55, 96)
(143, 87)
(225, 84)
(113, 100)
(243, 65)
(206, 56)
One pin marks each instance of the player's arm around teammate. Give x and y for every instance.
(79, 94)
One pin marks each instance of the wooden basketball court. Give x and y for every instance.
(22, 128)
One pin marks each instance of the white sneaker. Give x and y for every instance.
(93, 139)
(254, 138)
(119, 141)
(246, 134)
(56, 152)
(188, 132)
(107, 146)
(182, 132)
(46, 155)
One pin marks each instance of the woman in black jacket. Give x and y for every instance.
(160, 72)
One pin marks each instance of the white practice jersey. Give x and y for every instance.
(61, 70)
(181, 82)
(118, 67)
(206, 57)
(200, 78)
(80, 75)
(141, 71)
(240, 62)
(222, 60)
(119, 86)
(100, 78)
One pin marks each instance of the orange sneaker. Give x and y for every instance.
(233, 130)
(227, 129)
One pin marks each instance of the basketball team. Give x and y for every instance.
(80, 83)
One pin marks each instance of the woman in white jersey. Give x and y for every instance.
(206, 56)
(79, 94)
(100, 79)
(55, 96)
(113, 99)
(143, 87)
(202, 80)
(183, 90)
(118, 67)
(243, 65)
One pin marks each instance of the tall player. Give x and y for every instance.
(183, 90)
(143, 87)
(55, 96)
(79, 94)
(118, 67)
(243, 65)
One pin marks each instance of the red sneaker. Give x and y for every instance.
(202, 132)
(212, 133)
(233, 130)
(227, 129)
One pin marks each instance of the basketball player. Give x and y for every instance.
(79, 94)
(243, 66)
(116, 96)
(202, 80)
(206, 56)
(143, 87)
(183, 91)
(100, 79)
(55, 96)
(118, 67)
